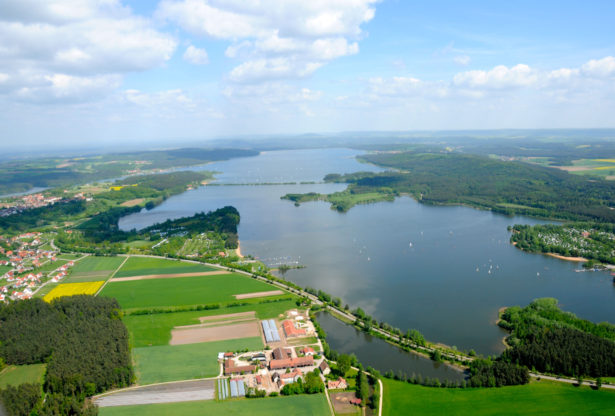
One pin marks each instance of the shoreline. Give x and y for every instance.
(559, 256)
(238, 250)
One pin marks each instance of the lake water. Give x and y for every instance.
(442, 270)
(379, 354)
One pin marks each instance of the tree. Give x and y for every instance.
(343, 364)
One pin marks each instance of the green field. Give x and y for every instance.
(182, 291)
(155, 329)
(69, 256)
(15, 375)
(50, 266)
(182, 362)
(94, 268)
(303, 405)
(537, 398)
(4, 269)
(140, 266)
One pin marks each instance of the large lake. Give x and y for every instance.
(442, 270)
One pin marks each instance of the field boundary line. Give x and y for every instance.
(111, 277)
(168, 276)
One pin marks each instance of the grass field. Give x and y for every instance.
(155, 329)
(94, 268)
(4, 269)
(49, 266)
(70, 289)
(182, 291)
(537, 398)
(69, 256)
(14, 375)
(140, 266)
(181, 362)
(303, 405)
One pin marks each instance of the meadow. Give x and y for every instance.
(14, 375)
(536, 398)
(182, 291)
(71, 289)
(155, 329)
(303, 405)
(141, 266)
(182, 362)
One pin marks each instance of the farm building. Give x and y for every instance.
(281, 353)
(291, 330)
(270, 331)
(291, 377)
(291, 363)
(307, 351)
(230, 368)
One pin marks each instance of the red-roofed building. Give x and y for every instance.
(291, 330)
(291, 363)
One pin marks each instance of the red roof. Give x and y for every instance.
(291, 331)
(291, 362)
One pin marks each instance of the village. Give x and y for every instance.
(16, 204)
(28, 265)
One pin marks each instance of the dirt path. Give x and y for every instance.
(259, 294)
(233, 316)
(180, 391)
(192, 335)
(168, 276)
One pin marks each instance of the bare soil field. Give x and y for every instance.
(167, 276)
(181, 391)
(132, 202)
(341, 402)
(259, 294)
(194, 334)
(227, 316)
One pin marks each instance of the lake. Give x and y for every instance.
(379, 354)
(442, 270)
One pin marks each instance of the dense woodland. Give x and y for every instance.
(593, 241)
(502, 186)
(550, 340)
(81, 338)
(39, 217)
(487, 373)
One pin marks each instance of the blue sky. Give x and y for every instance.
(109, 71)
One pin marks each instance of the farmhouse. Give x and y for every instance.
(324, 368)
(340, 383)
(291, 330)
(291, 377)
(291, 363)
(307, 351)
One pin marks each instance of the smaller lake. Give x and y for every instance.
(379, 354)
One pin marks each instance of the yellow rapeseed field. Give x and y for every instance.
(606, 160)
(70, 289)
(604, 167)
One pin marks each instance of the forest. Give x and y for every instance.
(508, 187)
(593, 241)
(553, 341)
(81, 338)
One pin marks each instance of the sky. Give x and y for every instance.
(111, 72)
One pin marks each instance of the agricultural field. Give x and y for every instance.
(94, 268)
(71, 289)
(182, 362)
(140, 266)
(594, 167)
(536, 398)
(182, 291)
(69, 256)
(302, 405)
(14, 375)
(155, 329)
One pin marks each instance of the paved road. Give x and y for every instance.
(180, 391)
(569, 380)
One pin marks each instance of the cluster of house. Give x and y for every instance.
(27, 258)
(18, 204)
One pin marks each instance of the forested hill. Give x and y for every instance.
(502, 186)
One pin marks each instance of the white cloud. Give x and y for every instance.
(80, 44)
(497, 78)
(275, 39)
(600, 68)
(196, 56)
(67, 88)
